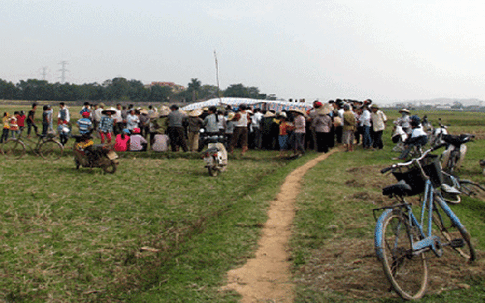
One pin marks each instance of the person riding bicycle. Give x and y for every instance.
(418, 137)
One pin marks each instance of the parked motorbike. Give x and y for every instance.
(88, 154)
(435, 135)
(215, 157)
(398, 137)
(453, 156)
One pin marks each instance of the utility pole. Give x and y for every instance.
(63, 71)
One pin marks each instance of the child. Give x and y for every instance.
(84, 123)
(21, 120)
(285, 127)
(106, 124)
(122, 141)
(6, 127)
(64, 131)
(14, 128)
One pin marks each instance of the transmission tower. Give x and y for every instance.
(63, 71)
(44, 72)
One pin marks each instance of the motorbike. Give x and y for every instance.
(88, 154)
(453, 156)
(435, 135)
(398, 137)
(215, 156)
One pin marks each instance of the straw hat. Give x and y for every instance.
(269, 114)
(110, 111)
(230, 116)
(153, 115)
(144, 112)
(325, 109)
(282, 114)
(297, 110)
(404, 110)
(195, 113)
(164, 112)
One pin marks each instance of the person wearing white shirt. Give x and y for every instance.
(365, 122)
(418, 137)
(256, 127)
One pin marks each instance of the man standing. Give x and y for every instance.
(31, 120)
(256, 126)
(379, 120)
(366, 123)
(118, 121)
(63, 114)
(240, 130)
(175, 128)
(97, 115)
(312, 115)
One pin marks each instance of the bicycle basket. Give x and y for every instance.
(412, 174)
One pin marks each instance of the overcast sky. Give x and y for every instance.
(384, 50)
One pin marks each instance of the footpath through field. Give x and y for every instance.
(267, 277)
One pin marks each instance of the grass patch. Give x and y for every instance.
(332, 243)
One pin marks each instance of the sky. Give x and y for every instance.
(387, 51)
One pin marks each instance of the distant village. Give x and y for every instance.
(475, 105)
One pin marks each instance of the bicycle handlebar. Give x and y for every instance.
(397, 165)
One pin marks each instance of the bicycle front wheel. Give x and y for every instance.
(405, 269)
(13, 148)
(51, 150)
(455, 236)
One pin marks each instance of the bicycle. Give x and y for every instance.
(47, 147)
(402, 241)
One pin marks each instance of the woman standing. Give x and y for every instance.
(323, 126)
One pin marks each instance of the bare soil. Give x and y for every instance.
(267, 277)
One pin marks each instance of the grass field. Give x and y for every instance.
(161, 230)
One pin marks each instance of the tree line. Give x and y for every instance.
(119, 89)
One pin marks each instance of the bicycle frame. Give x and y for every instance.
(428, 241)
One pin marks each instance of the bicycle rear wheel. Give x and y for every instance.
(406, 270)
(472, 189)
(13, 148)
(455, 236)
(51, 150)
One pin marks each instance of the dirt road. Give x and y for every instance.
(266, 277)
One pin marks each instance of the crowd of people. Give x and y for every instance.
(169, 128)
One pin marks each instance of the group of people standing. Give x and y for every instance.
(326, 124)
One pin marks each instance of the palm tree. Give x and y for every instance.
(194, 87)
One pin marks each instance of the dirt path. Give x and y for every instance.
(266, 277)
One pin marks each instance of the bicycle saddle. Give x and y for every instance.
(399, 189)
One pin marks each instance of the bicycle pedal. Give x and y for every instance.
(457, 243)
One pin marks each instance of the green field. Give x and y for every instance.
(161, 230)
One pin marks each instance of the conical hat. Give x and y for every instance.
(269, 114)
(325, 109)
(195, 113)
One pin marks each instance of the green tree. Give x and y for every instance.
(8, 90)
(241, 91)
(193, 88)
(160, 93)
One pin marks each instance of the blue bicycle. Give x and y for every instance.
(402, 240)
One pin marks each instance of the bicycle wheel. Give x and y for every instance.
(455, 236)
(13, 148)
(51, 150)
(407, 271)
(472, 189)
